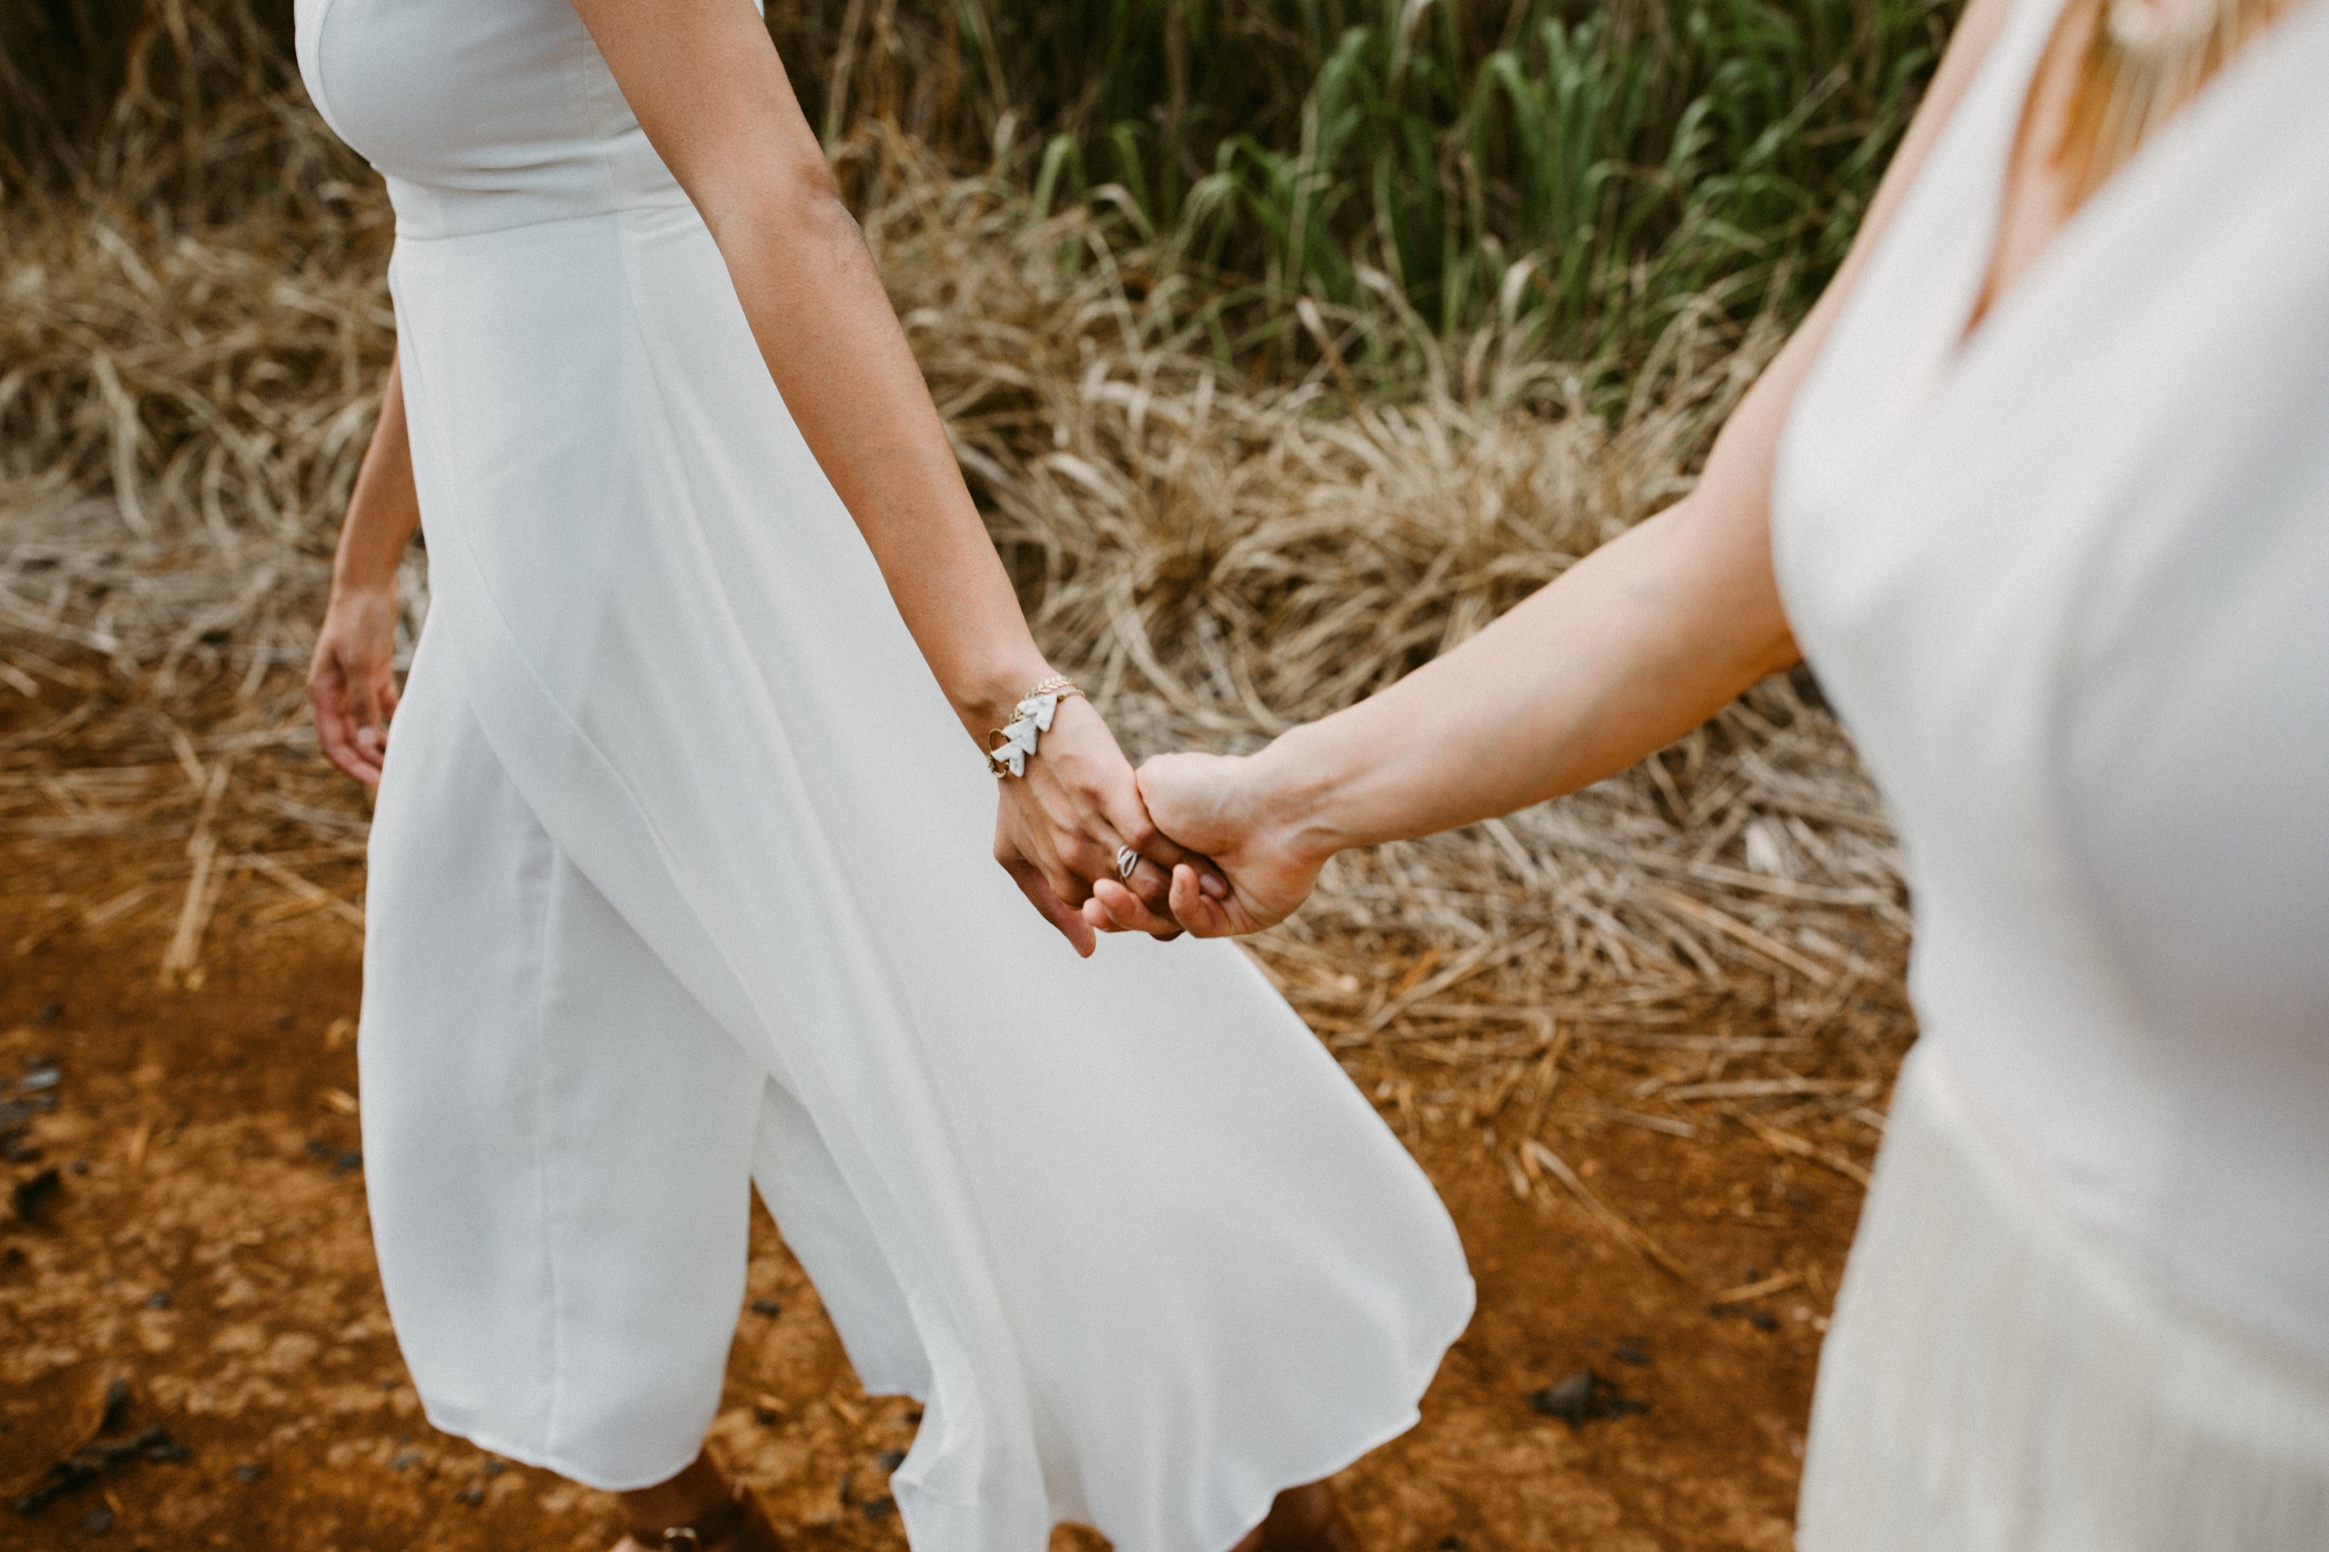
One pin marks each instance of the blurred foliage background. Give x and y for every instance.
(1588, 171)
(1284, 344)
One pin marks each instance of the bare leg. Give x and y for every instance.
(700, 1496)
(1303, 1519)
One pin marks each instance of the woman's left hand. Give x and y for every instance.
(1058, 829)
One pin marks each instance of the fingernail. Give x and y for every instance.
(1214, 884)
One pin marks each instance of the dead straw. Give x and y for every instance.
(187, 381)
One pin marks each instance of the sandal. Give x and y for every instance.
(1304, 1519)
(739, 1525)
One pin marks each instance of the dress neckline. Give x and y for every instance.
(1988, 299)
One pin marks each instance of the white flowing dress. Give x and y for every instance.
(2067, 581)
(681, 877)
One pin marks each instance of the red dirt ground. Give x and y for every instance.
(205, 1244)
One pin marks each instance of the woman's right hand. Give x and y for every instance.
(351, 683)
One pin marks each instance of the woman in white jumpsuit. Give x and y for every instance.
(2044, 498)
(681, 870)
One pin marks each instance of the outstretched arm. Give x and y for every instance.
(1626, 651)
(710, 92)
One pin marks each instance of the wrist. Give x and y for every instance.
(989, 698)
(1291, 791)
(350, 585)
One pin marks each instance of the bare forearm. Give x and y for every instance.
(385, 510)
(823, 320)
(1628, 650)
(713, 98)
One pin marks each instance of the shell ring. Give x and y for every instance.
(1126, 860)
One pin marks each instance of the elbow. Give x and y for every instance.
(792, 193)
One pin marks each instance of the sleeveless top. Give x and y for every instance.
(2067, 584)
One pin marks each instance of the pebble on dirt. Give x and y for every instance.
(1584, 1396)
(1760, 1319)
(35, 1196)
(104, 1453)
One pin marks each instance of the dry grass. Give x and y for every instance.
(183, 403)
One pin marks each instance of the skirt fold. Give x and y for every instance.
(1999, 1379)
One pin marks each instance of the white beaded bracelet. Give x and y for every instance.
(1030, 718)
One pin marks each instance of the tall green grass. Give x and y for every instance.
(1583, 173)
(1363, 183)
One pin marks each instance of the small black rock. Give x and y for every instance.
(404, 1460)
(317, 1148)
(35, 1196)
(98, 1520)
(1583, 1396)
(1631, 1351)
(472, 1495)
(156, 1444)
(880, 1509)
(1762, 1320)
(766, 1307)
(348, 1163)
(891, 1460)
(494, 1468)
(50, 1012)
(159, 1299)
(249, 1472)
(1451, 1544)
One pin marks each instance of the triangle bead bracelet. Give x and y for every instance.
(1010, 747)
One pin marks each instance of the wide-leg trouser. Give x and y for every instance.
(559, 1140)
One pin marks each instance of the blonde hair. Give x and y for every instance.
(2145, 61)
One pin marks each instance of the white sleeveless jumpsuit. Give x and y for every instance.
(681, 875)
(2068, 584)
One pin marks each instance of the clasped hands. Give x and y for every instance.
(1215, 856)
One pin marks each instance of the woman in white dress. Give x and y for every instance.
(680, 871)
(2041, 488)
